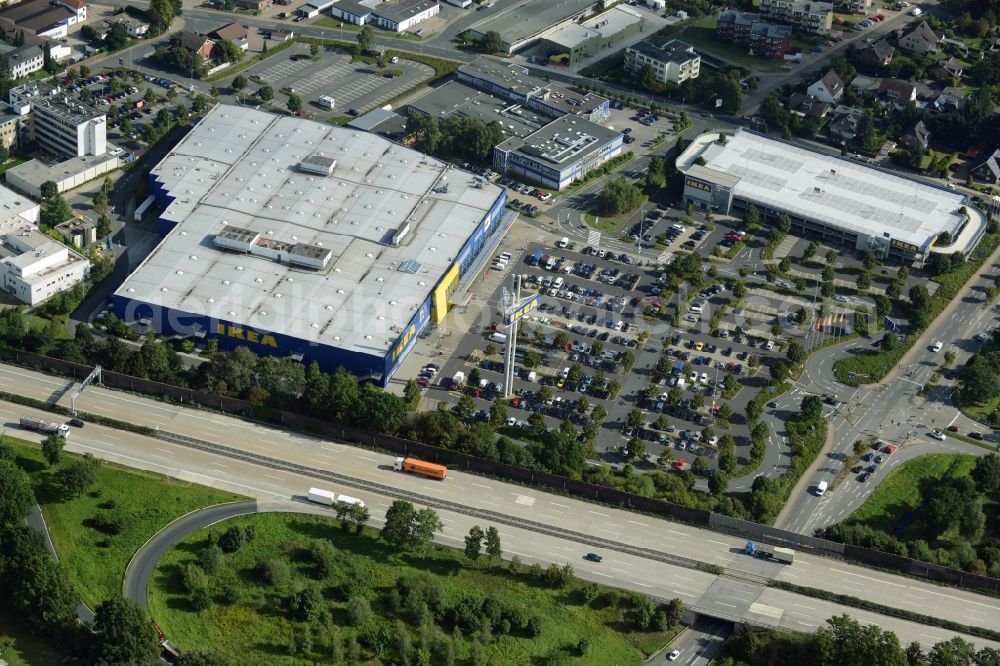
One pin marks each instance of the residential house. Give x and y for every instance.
(813, 17)
(896, 92)
(232, 32)
(950, 68)
(674, 62)
(921, 39)
(42, 18)
(879, 53)
(949, 99)
(200, 44)
(917, 136)
(807, 106)
(828, 89)
(843, 125)
(136, 29)
(988, 168)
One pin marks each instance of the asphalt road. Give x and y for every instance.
(630, 570)
(698, 644)
(892, 410)
(141, 567)
(36, 521)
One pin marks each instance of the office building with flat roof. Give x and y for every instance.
(297, 238)
(457, 98)
(516, 84)
(574, 42)
(33, 267)
(836, 199)
(559, 153)
(63, 126)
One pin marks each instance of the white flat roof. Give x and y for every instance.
(832, 190)
(238, 168)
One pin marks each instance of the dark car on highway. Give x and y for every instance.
(593, 557)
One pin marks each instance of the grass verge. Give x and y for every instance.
(900, 493)
(701, 35)
(20, 647)
(256, 628)
(607, 225)
(94, 560)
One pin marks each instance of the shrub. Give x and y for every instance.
(210, 558)
(201, 599)
(358, 611)
(305, 603)
(231, 593)
(235, 537)
(110, 523)
(274, 571)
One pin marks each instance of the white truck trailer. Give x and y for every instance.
(43, 426)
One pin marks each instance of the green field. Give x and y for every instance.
(604, 224)
(94, 560)
(900, 493)
(256, 629)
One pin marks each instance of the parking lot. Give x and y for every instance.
(603, 333)
(356, 86)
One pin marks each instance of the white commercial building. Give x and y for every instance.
(297, 238)
(401, 15)
(24, 60)
(63, 126)
(33, 267)
(837, 199)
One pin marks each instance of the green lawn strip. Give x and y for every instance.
(701, 35)
(10, 164)
(604, 224)
(95, 561)
(900, 492)
(19, 646)
(256, 628)
(876, 364)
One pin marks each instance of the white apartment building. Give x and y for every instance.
(674, 62)
(815, 17)
(33, 267)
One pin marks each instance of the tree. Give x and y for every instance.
(795, 353)
(294, 103)
(864, 281)
(366, 38)
(52, 449)
(398, 528)
(619, 196)
(160, 14)
(752, 216)
(492, 42)
(465, 408)
(831, 257)
(474, 542)
(812, 407)
(266, 93)
(411, 394)
(79, 475)
(953, 652)
(494, 551)
(55, 211)
(784, 224)
(986, 473)
(239, 83)
(847, 642)
(426, 524)
(718, 482)
(498, 414)
(16, 496)
(123, 634)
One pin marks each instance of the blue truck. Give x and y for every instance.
(535, 258)
(763, 551)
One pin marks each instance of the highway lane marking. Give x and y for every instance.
(937, 638)
(335, 449)
(606, 531)
(636, 522)
(967, 601)
(367, 458)
(635, 582)
(212, 462)
(684, 594)
(562, 505)
(718, 543)
(806, 607)
(153, 455)
(598, 513)
(165, 450)
(271, 476)
(598, 573)
(877, 580)
(723, 603)
(676, 532)
(479, 485)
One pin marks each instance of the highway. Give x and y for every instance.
(892, 409)
(625, 532)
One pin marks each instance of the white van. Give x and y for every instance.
(696, 307)
(498, 337)
(563, 242)
(326, 102)
(558, 283)
(821, 488)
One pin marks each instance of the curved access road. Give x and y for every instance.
(144, 561)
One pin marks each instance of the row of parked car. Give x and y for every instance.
(530, 209)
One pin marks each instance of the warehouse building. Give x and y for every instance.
(457, 98)
(559, 153)
(572, 42)
(522, 24)
(301, 239)
(839, 200)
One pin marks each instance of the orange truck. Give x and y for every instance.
(415, 466)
